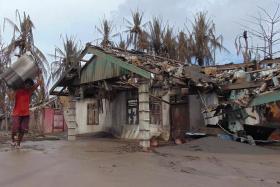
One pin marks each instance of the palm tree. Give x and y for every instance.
(205, 43)
(138, 37)
(122, 43)
(183, 47)
(105, 29)
(143, 41)
(169, 43)
(65, 58)
(156, 31)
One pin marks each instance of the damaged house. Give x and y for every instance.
(132, 95)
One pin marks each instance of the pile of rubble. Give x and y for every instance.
(248, 98)
(243, 99)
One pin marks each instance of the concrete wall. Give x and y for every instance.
(125, 131)
(165, 118)
(196, 118)
(119, 127)
(113, 119)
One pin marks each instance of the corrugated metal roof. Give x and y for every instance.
(100, 69)
(106, 66)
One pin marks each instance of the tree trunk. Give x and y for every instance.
(200, 61)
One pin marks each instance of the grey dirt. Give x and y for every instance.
(110, 162)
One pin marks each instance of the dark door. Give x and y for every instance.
(179, 118)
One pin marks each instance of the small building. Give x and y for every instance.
(47, 118)
(132, 95)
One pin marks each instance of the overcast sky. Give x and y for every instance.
(79, 17)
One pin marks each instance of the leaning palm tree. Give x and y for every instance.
(138, 37)
(205, 43)
(156, 30)
(23, 41)
(65, 58)
(105, 29)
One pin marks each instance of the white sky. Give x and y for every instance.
(79, 17)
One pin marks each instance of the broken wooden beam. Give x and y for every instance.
(243, 85)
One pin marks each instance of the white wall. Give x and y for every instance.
(113, 119)
(105, 119)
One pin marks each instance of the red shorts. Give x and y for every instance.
(20, 124)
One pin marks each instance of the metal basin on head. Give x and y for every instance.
(24, 68)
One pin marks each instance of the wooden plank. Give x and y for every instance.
(243, 85)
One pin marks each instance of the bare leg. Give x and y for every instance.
(23, 128)
(15, 128)
(20, 137)
(13, 136)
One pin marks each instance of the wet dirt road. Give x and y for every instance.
(109, 162)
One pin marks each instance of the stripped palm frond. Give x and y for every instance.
(184, 47)
(156, 31)
(23, 41)
(137, 36)
(105, 29)
(169, 43)
(122, 43)
(65, 58)
(205, 43)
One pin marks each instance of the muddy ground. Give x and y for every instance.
(110, 162)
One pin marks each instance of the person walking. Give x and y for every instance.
(20, 114)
